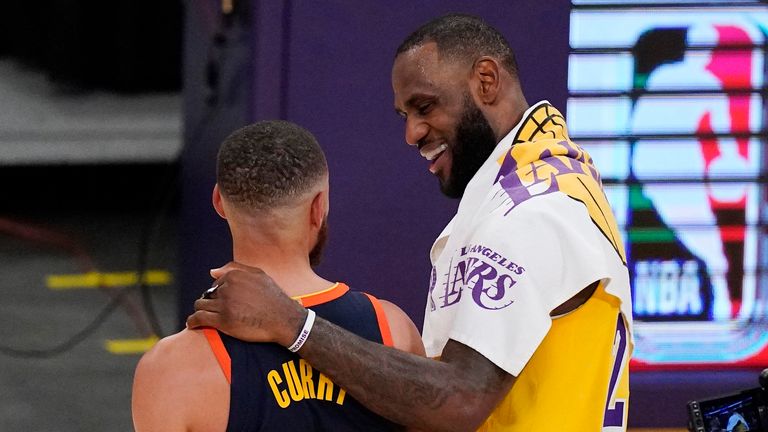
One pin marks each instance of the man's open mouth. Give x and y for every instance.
(434, 153)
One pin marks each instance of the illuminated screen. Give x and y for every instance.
(743, 411)
(669, 99)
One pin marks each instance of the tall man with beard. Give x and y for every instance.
(529, 307)
(272, 188)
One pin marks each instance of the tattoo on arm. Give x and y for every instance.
(454, 394)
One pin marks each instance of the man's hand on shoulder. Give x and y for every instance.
(455, 394)
(248, 304)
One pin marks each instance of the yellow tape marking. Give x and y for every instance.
(109, 280)
(130, 346)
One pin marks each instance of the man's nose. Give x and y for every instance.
(415, 131)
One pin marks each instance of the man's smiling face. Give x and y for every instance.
(441, 117)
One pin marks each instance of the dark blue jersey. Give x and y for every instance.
(272, 389)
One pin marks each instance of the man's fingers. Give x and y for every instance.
(203, 318)
(228, 267)
(221, 271)
(208, 305)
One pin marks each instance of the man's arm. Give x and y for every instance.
(179, 387)
(454, 394)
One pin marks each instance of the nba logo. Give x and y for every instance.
(669, 101)
(707, 272)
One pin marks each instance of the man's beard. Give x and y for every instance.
(473, 143)
(316, 254)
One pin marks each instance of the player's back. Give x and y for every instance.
(201, 380)
(274, 389)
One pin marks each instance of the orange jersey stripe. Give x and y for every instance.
(222, 356)
(320, 297)
(381, 317)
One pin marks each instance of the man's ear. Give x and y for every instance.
(217, 204)
(318, 209)
(485, 71)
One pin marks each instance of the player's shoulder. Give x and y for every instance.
(179, 375)
(403, 332)
(552, 204)
(542, 211)
(173, 354)
(405, 335)
(171, 345)
(393, 311)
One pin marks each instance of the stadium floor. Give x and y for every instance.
(48, 269)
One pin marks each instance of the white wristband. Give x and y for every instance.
(304, 333)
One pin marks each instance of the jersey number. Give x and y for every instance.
(614, 409)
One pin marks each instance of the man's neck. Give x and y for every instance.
(289, 269)
(509, 114)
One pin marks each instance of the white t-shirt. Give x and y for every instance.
(500, 268)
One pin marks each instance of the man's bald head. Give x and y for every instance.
(463, 38)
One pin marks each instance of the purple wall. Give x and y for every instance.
(386, 208)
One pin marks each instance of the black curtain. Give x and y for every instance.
(119, 45)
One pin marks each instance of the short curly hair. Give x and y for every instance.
(264, 165)
(461, 37)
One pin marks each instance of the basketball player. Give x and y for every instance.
(272, 188)
(528, 308)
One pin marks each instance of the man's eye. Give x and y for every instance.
(424, 108)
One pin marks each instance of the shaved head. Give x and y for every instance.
(266, 165)
(462, 38)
